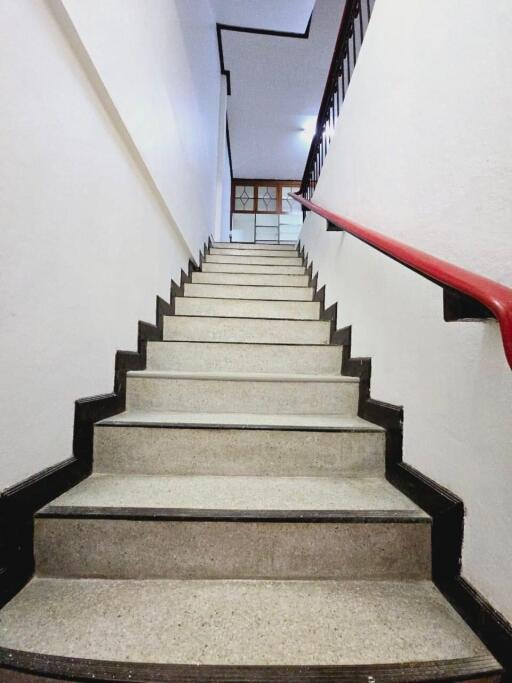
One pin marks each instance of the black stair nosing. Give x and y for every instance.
(240, 284)
(214, 297)
(246, 244)
(253, 253)
(209, 256)
(241, 245)
(256, 343)
(248, 272)
(245, 317)
(256, 377)
(247, 256)
(208, 341)
(234, 284)
(74, 668)
(235, 515)
(229, 272)
(263, 265)
(263, 252)
(234, 298)
(247, 427)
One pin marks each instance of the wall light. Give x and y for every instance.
(308, 128)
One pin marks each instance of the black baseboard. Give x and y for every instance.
(19, 503)
(329, 314)
(489, 625)
(17, 507)
(444, 507)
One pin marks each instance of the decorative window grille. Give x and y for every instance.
(264, 196)
(244, 198)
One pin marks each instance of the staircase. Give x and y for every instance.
(238, 525)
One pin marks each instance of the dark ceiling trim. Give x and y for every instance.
(257, 31)
(227, 73)
(262, 181)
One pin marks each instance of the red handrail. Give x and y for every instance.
(495, 297)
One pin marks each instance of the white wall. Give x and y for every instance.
(223, 183)
(422, 153)
(425, 148)
(226, 201)
(158, 60)
(103, 197)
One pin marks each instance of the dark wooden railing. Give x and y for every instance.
(467, 296)
(354, 23)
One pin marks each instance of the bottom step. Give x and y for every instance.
(211, 630)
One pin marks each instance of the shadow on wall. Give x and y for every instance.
(452, 380)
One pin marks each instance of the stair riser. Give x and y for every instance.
(265, 270)
(145, 549)
(250, 246)
(247, 292)
(250, 279)
(257, 452)
(270, 251)
(280, 398)
(249, 358)
(256, 260)
(246, 331)
(236, 308)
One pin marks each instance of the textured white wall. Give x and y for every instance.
(91, 223)
(425, 148)
(422, 153)
(222, 165)
(226, 201)
(158, 61)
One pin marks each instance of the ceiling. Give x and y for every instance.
(276, 82)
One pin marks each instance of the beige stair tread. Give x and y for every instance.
(209, 267)
(269, 251)
(256, 259)
(217, 492)
(251, 280)
(264, 309)
(246, 330)
(242, 420)
(251, 245)
(189, 356)
(242, 622)
(244, 376)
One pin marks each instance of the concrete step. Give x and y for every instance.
(269, 251)
(242, 393)
(248, 308)
(244, 268)
(272, 293)
(249, 358)
(131, 526)
(250, 279)
(238, 444)
(178, 630)
(246, 330)
(252, 246)
(256, 260)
